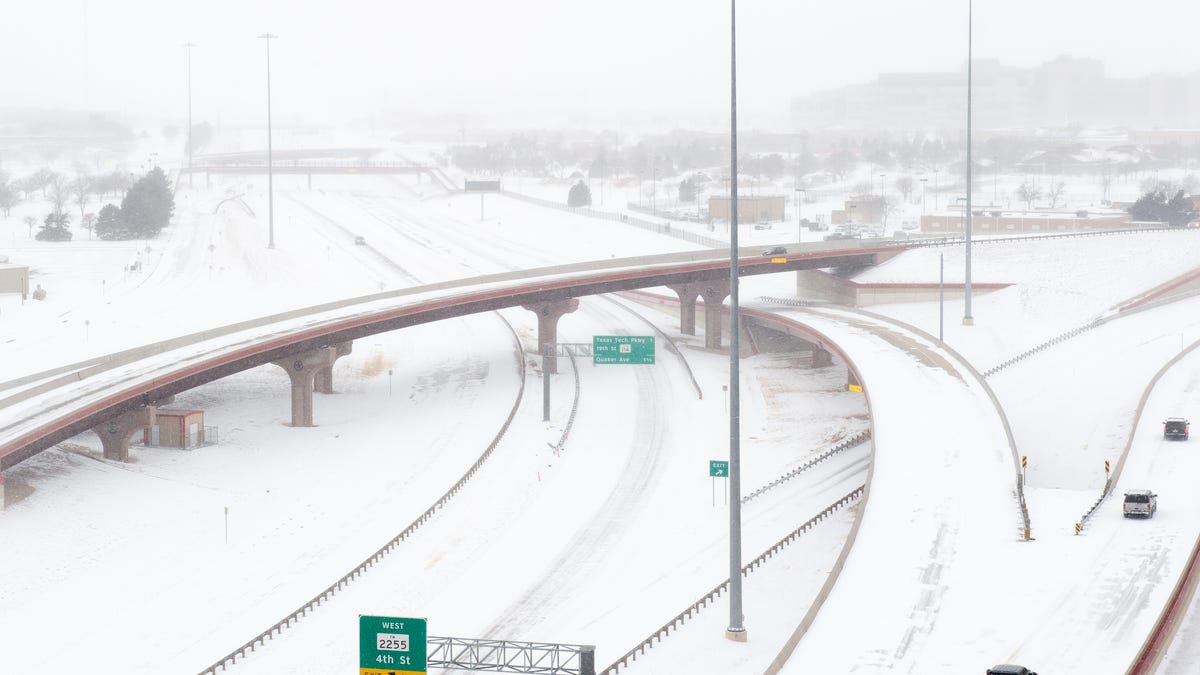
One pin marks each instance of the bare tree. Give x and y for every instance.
(1190, 183)
(1106, 181)
(1055, 193)
(41, 180)
(8, 194)
(30, 221)
(862, 190)
(1029, 193)
(60, 191)
(89, 223)
(81, 190)
(904, 185)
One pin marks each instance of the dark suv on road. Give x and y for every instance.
(1175, 428)
(1009, 669)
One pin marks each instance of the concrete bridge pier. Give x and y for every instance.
(323, 383)
(714, 294)
(822, 357)
(116, 433)
(302, 370)
(852, 379)
(548, 314)
(687, 306)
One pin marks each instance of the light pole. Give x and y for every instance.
(737, 629)
(881, 177)
(968, 320)
(270, 174)
(924, 182)
(800, 192)
(188, 46)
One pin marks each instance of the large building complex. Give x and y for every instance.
(1063, 92)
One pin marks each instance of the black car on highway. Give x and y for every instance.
(1175, 428)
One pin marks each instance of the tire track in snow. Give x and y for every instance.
(584, 554)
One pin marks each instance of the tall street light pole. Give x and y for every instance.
(924, 182)
(188, 46)
(737, 629)
(270, 177)
(968, 320)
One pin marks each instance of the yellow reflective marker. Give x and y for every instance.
(854, 387)
(778, 260)
(1078, 527)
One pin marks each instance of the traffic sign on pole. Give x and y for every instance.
(631, 349)
(391, 646)
(718, 468)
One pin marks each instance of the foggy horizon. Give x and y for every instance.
(542, 64)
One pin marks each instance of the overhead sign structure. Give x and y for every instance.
(632, 349)
(481, 186)
(718, 468)
(391, 646)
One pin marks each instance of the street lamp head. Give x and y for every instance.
(268, 36)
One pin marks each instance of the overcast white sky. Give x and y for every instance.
(541, 61)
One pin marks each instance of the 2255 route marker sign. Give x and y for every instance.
(391, 646)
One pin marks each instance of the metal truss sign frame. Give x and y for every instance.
(508, 656)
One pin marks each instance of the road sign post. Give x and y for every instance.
(629, 349)
(718, 469)
(391, 646)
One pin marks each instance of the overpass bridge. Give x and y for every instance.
(336, 161)
(116, 396)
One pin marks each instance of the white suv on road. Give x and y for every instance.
(1140, 503)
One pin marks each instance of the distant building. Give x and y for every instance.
(858, 211)
(1063, 92)
(756, 209)
(1027, 222)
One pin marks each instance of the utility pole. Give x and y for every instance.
(737, 629)
(968, 320)
(270, 177)
(188, 46)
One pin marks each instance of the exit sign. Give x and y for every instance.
(634, 349)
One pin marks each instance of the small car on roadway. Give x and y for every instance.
(778, 250)
(1143, 503)
(1175, 428)
(1009, 669)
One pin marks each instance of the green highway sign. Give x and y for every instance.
(391, 646)
(718, 468)
(634, 349)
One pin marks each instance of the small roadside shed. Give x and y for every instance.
(176, 428)
(14, 279)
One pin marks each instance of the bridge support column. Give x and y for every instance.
(687, 306)
(714, 294)
(852, 379)
(116, 433)
(323, 383)
(822, 358)
(548, 314)
(302, 369)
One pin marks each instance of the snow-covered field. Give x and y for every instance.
(178, 557)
